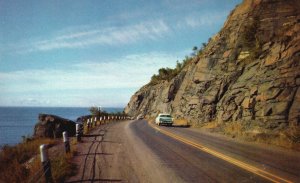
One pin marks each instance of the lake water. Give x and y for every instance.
(16, 122)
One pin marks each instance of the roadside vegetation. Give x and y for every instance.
(62, 166)
(21, 163)
(289, 138)
(13, 160)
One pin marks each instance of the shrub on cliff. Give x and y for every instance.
(166, 74)
(249, 39)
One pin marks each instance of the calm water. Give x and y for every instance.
(16, 122)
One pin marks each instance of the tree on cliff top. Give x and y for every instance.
(169, 73)
(95, 111)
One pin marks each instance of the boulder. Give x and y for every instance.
(52, 126)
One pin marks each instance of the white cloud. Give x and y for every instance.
(195, 20)
(105, 35)
(131, 71)
(87, 36)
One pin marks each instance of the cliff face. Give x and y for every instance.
(248, 74)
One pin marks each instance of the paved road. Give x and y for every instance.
(275, 163)
(136, 151)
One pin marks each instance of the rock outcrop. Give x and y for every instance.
(248, 74)
(52, 126)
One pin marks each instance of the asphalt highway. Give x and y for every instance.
(137, 151)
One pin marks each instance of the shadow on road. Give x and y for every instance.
(107, 154)
(177, 126)
(98, 180)
(94, 135)
(180, 126)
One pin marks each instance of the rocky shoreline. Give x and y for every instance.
(51, 126)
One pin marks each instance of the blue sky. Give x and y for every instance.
(96, 52)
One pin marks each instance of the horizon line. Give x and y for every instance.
(63, 106)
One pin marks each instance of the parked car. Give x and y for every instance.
(164, 119)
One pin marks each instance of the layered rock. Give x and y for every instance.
(53, 126)
(248, 73)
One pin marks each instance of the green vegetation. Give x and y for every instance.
(167, 74)
(249, 38)
(95, 111)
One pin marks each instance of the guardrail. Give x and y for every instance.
(95, 121)
(44, 174)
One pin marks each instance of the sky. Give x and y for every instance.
(73, 53)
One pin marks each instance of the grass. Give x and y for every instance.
(21, 163)
(234, 129)
(211, 125)
(62, 167)
(13, 160)
(289, 138)
(180, 122)
(23, 151)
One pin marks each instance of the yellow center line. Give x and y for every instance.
(248, 167)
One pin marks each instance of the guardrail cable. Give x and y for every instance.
(37, 177)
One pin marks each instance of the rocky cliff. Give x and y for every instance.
(246, 79)
(53, 126)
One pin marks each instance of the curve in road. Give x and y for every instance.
(243, 165)
(136, 151)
